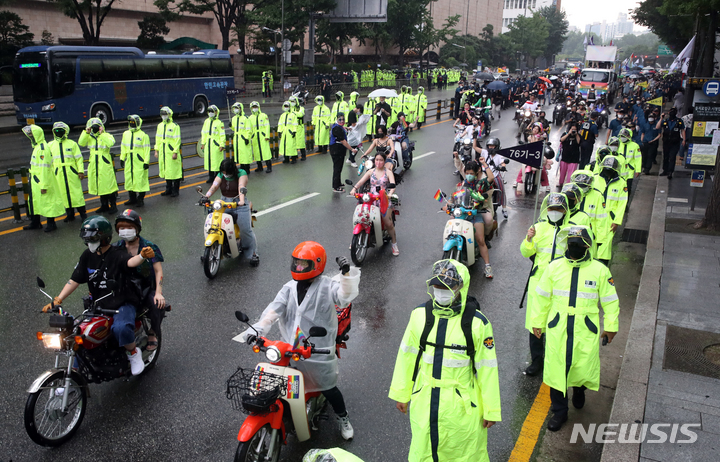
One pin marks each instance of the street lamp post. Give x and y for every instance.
(464, 52)
(282, 42)
(274, 32)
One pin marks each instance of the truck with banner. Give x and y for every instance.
(599, 70)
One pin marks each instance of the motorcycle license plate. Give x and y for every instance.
(30, 121)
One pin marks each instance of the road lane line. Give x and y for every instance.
(525, 444)
(285, 204)
(424, 155)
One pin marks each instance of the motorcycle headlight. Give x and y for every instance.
(366, 198)
(457, 213)
(51, 341)
(527, 114)
(603, 112)
(217, 205)
(48, 107)
(272, 354)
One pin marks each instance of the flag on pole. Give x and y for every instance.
(585, 43)
(656, 102)
(683, 58)
(592, 40)
(439, 196)
(299, 337)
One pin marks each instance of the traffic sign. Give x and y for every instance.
(528, 154)
(664, 50)
(697, 179)
(233, 91)
(711, 88)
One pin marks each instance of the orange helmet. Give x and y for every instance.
(308, 261)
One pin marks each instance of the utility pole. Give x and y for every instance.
(282, 42)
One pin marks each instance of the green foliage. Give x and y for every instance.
(557, 30)
(152, 30)
(645, 44)
(13, 36)
(452, 55)
(90, 14)
(661, 17)
(573, 46)
(529, 35)
(47, 38)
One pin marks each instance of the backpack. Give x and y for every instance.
(472, 309)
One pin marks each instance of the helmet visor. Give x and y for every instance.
(300, 266)
(89, 235)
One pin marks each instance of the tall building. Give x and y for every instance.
(514, 8)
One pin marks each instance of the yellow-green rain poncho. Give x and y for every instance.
(135, 152)
(241, 135)
(67, 165)
(212, 137)
(299, 111)
(42, 178)
(260, 125)
(321, 122)
(167, 144)
(447, 401)
(101, 167)
(287, 129)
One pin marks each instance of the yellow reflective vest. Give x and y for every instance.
(241, 139)
(260, 125)
(135, 152)
(212, 137)
(101, 166)
(299, 112)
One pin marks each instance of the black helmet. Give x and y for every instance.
(96, 229)
(129, 216)
(493, 141)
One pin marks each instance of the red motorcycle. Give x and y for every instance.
(368, 228)
(58, 397)
(273, 394)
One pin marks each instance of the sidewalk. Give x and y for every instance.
(671, 369)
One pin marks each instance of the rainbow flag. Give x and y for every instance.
(299, 337)
(439, 196)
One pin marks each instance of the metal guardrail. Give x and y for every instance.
(439, 108)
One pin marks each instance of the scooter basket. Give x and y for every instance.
(254, 391)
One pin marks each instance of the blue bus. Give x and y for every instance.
(73, 84)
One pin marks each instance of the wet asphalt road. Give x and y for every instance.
(178, 411)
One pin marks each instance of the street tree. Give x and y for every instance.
(334, 37)
(451, 52)
(90, 14)
(404, 18)
(427, 36)
(47, 38)
(558, 26)
(152, 32)
(13, 33)
(529, 35)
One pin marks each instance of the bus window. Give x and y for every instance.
(221, 68)
(175, 68)
(63, 76)
(30, 78)
(199, 67)
(149, 69)
(90, 70)
(118, 69)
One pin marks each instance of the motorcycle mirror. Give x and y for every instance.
(40, 283)
(242, 317)
(317, 331)
(199, 190)
(506, 161)
(348, 182)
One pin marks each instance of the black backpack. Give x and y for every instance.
(472, 309)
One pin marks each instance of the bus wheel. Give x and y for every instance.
(200, 106)
(103, 113)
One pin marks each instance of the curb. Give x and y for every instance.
(10, 129)
(631, 391)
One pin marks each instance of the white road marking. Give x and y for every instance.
(677, 199)
(285, 204)
(424, 155)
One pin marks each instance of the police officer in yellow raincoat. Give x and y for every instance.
(260, 125)
(69, 171)
(630, 150)
(135, 159)
(592, 201)
(321, 122)
(615, 196)
(420, 107)
(568, 295)
(575, 197)
(45, 196)
(299, 111)
(446, 369)
(287, 129)
(369, 108)
(353, 101)
(101, 166)
(242, 132)
(167, 151)
(340, 106)
(212, 142)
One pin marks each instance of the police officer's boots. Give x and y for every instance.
(82, 212)
(168, 188)
(34, 223)
(259, 167)
(69, 215)
(303, 154)
(245, 167)
(268, 164)
(175, 188)
(140, 200)
(103, 204)
(133, 198)
(112, 200)
(293, 160)
(286, 160)
(51, 226)
(211, 177)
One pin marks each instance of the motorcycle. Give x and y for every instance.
(561, 110)
(58, 398)
(366, 163)
(459, 234)
(301, 94)
(524, 128)
(463, 146)
(530, 181)
(273, 394)
(222, 234)
(407, 154)
(368, 229)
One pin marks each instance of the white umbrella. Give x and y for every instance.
(386, 92)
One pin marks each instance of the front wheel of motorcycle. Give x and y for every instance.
(46, 422)
(529, 182)
(358, 248)
(211, 260)
(258, 447)
(408, 163)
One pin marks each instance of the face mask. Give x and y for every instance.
(575, 251)
(286, 109)
(211, 114)
(443, 296)
(59, 133)
(623, 139)
(555, 216)
(236, 111)
(164, 118)
(255, 109)
(127, 234)
(93, 246)
(613, 148)
(651, 119)
(470, 177)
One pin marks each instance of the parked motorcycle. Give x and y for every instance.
(222, 234)
(58, 398)
(273, 394)
(368, 229)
